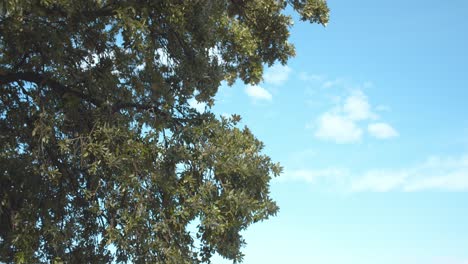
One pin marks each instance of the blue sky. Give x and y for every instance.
(369, 122)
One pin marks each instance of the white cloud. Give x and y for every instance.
(367, 84)
(382, 108)
(258, 93)
(303, 76)
(140, 67)
(216, 53)
(277, 74)
(325, 82)
(93, 59)
(345, 122)
(89, 61)
(200, 107)
(446, 260)
(337, 128)
(428, 260)
(382, 130)
(448, 174)
(357, 107)
(313, 176)
(331, 83)
(379, 181)
(226, 115)
(440, 173)
(163, 57)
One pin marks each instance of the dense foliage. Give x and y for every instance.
(101, 156)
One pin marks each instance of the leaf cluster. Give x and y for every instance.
(102, 159)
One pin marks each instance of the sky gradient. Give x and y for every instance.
(369, 123)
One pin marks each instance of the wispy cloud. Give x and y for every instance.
(380, 180)
(314, 176)
(447, 260)
(382, 108)
(382, 130)
(304, 76)
(331, 83)
(325, 82)
(258, 93)
(277, 74)
(434, 174)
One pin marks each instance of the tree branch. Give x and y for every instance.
(7, 78)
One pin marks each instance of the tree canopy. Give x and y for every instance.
(102, 159)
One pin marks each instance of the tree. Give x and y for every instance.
(101, 156)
